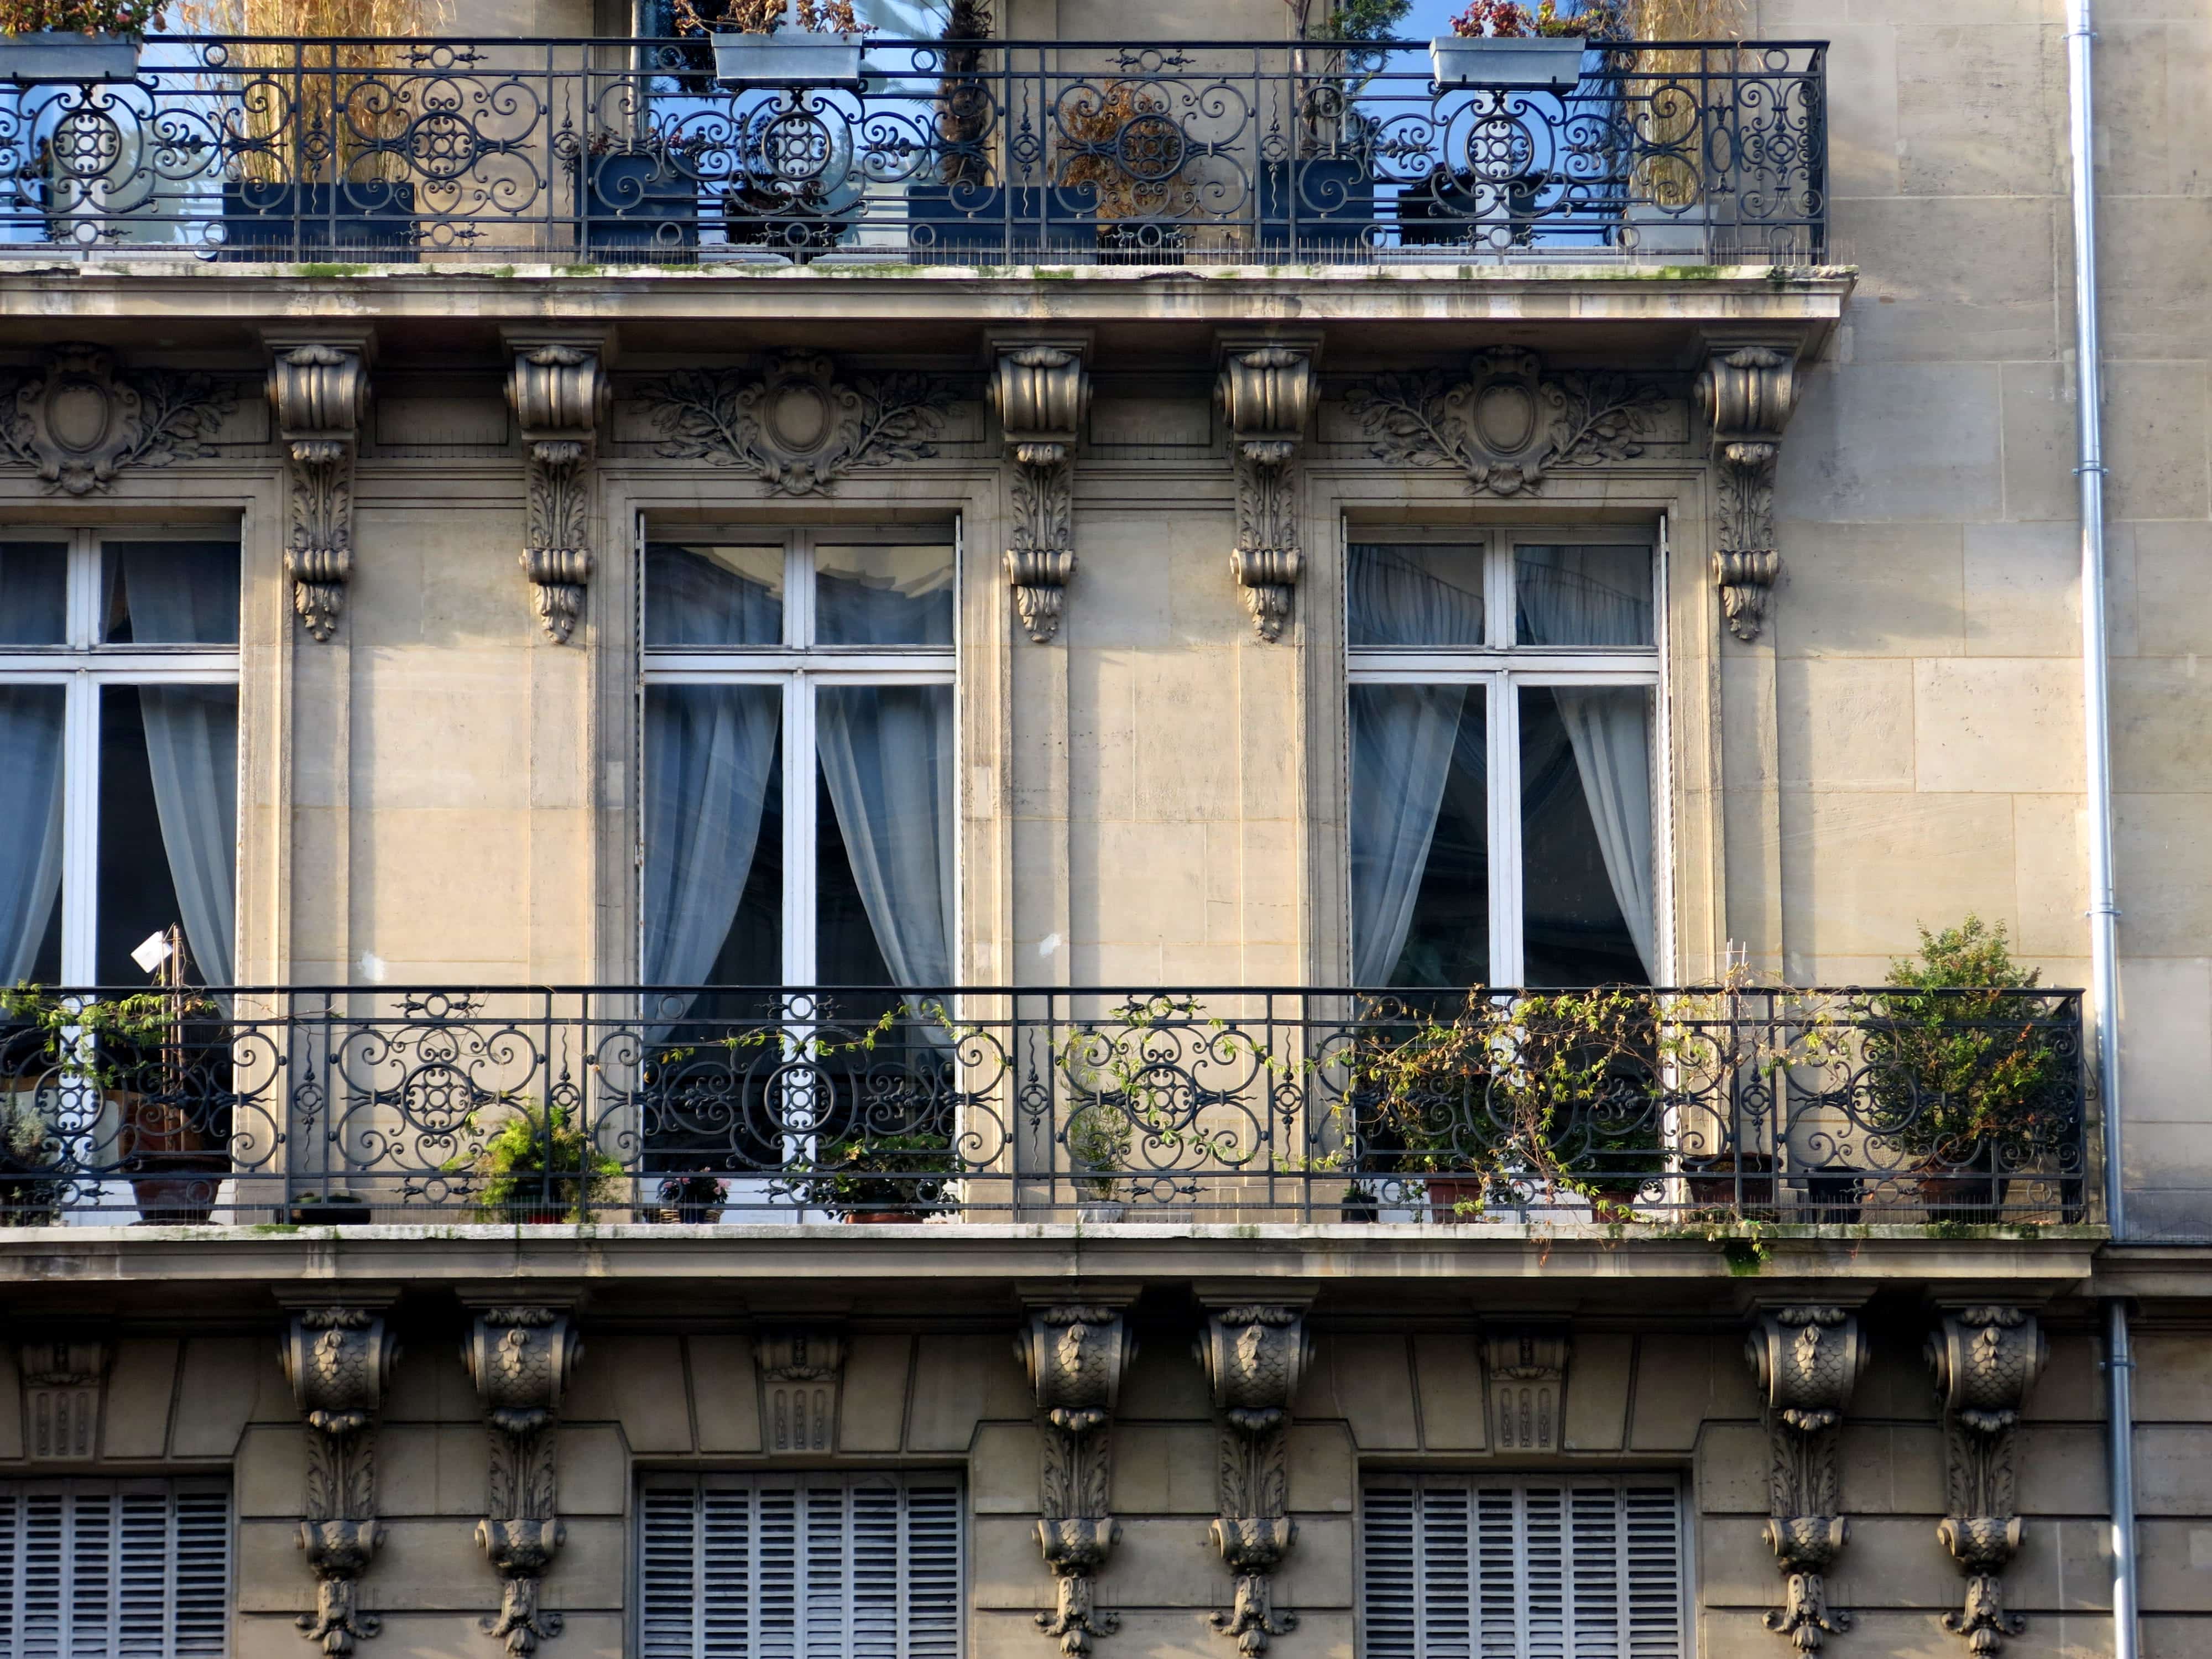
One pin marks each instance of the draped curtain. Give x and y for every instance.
(30, 821)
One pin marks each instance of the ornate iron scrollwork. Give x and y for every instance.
(521, 1359)
(339, 1362)
(1806, 1360)
(1041, 390)
(1076, 1356)
(1252, 1357)
(1747, 393)
(319, 390)
(1985, 1359)
(560, 394)
(1266, 393)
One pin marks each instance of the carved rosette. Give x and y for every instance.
(521, 1359)
(560, 394)
(1806, 1360)
(81, 418)
(1252, 1357)
(1985, 1359)
(801, 1371)
(1747, 393)
(1075, 1357)
(1041, 390)
(1266, 396)
(319, 392)
(339, 1362)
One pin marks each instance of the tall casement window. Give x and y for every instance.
(118, 744)
(1501, 825)
(1521, 1567)
(831, 1566)
(799, 748)
(115, 1569)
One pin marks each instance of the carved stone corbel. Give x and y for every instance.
(802, 1371)
(521, 1359)
(1041, 390)
(339, 1362)
(64, 1394)
(560, 392)
(1806, 1360)
(1252, 1357)
(1985, 1359)
(318, 389)
(1526, 1366)
(1266, 391)
(1076, 1355)
(1748, 392)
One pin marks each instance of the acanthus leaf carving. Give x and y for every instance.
(1807, 1358)
(1041, 391)
(1254, 1355)
(318, 390)
(1748, 392)
(561, 394)
(1076, 1356)
(1267, 395)
(1985, 1359)
(521, 1359)
(339, 1361)
(81, 418)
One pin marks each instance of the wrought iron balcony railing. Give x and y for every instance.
(612, 1105)
(986, 153)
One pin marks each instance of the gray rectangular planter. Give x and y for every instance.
(55, 55)
(788, 58)
(1535, 62)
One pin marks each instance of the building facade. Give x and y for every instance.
(752, 800)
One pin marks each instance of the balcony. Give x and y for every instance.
(621, 152)
(1630, 1111)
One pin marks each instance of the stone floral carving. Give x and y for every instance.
(1267, 395)
(64, 1391)
(1747, 393)
(1806, 1360)
(521, 1359)
(1075, 1357)
(81, 418)
(1252, 1357)
(559, 394)
(1527, 1370)
(1508, 424)
(319, 392)
(1041, 390)
(339, 1362)
(1985, 1359)
(801, 1370)
(797, 426)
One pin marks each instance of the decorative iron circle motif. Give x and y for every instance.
(86, 143)
(1150, 147)
(798, 146)
(443, 145)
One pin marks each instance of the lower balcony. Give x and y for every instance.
(1715, 1109)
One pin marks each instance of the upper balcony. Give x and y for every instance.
(611, 153)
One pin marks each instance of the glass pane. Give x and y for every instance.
(1419, 831)
(1597, 596)
(883, 596)
(169, 592)
(168, 826)
(30, 832)
(1586, 845)
(713, 834)
(1414, 593)
(884, 877)
(33, 593)
(700, 594)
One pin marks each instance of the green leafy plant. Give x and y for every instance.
(540, 1164)
(1099, 1140)
(1504, 20)
(876, 1173)
(79, 16)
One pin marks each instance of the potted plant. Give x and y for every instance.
(780, 43)
(1127, 147)
(1500, 44)
(890, 1177)
(541, 1166)
(1967, 1077)
(1098, 1138)
(31, 1183)
(693, 1201)
(48, 40)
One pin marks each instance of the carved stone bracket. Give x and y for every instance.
(81, 418)
(339, 1362)
(1267, 392)
(1985, 1359)
(521, 1359)
(65, 1392)
(319, 390)
(1509, 423)
(1252, 1357)
(1806, 1360)
(1748, 392)
(802, 1371)
(1526, 1367)
(560, 394)
(1076, 1356)
(797, 425)
(1041, 390)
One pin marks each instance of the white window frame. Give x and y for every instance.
(800, 667)
(1503, 666)
(85, 668)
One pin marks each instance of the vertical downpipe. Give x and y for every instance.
(2104, 912)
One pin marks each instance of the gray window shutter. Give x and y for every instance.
(114, 1569)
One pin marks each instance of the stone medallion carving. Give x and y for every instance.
(339, 1362)
(1747, 393)
(798, 425)
(1252, 1357)
(1076, 1356)
(560, 394)
(1807, 1359)
(1984, 1361)
(1266, 396)
(521, 1359)
(318, 390)
(1509, 424)
(81, 418)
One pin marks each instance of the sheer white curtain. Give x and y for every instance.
(887, 759)
(30, 821)
(1402, 741)
(709, 757)
(1601, 596)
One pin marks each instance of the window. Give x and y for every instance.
(1502, 710)
(119, 739)
(1521, 1567)
(833, 1566)
(110, 1569)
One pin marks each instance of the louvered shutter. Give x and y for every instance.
(801, 1566)
(1586, 1567)
(114, 1569)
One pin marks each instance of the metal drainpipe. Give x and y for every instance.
(2104, 912)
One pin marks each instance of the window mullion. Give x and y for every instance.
(81, 591)
(79, 829)
(1503, 729)
(799, 967)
